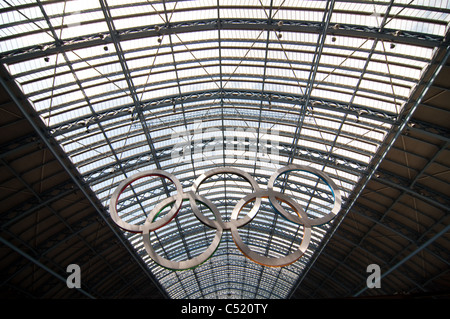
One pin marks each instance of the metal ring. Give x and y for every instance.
(301, 218)
(312, 221)
(186, 264)
(272, 261)
(251, 214)
(125, 183)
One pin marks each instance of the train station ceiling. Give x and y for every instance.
(94, 92)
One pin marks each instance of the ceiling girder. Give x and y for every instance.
(387, 35)
(292, 99)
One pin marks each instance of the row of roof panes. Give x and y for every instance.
(119, 87)
(236, 266)
(79, 150)
(34, 12)
(220, 278)
(239, 281)
(369, 16)
(230, 159)
(294, 60)
(94, 69)
(123, 130)
(124, 100)
(232, 34)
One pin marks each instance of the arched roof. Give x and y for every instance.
(188, 86)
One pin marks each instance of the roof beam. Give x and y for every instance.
(409, 256)
(97, 39)
(177, 79)
(389, 180)
(292, 99)
(357, 86)
(129, 80)
(312, 76)
(41, 265)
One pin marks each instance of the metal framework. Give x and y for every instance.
(188, 86)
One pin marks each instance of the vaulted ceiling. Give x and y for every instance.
(95, 92)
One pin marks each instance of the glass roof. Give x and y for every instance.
(187, 86)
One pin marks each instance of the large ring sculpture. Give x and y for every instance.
(234, 223)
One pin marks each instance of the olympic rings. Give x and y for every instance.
(270, 261)
(220, 170)
(196, 261)
(119, 190)
(323, 177)
(153, 223)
